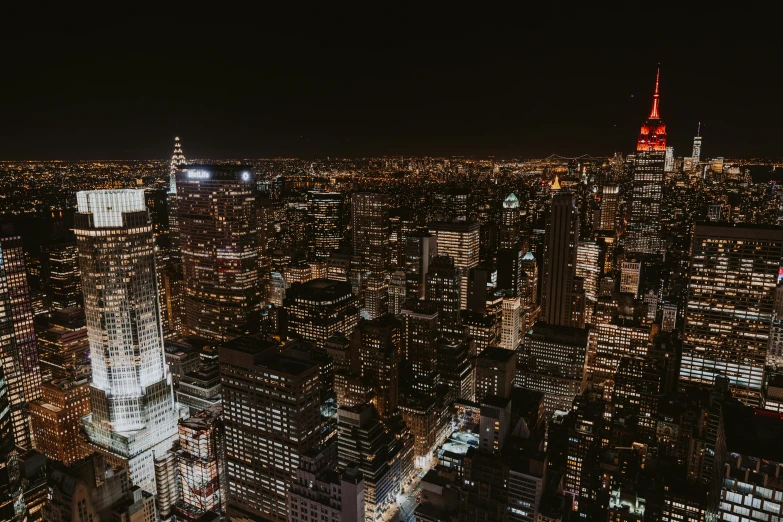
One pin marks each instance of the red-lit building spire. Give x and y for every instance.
(653, 133)
(654, 112)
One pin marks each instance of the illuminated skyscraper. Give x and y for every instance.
(510, 222)
(421, 248)
(553, 361)
(560, 303)
(18, 349)
(272, 416)
(528, 292)
(459, 240)
(11, 494)
(177, 160)
(376, 345)
(630, 277)
(376, 296)
(643, 234)
(315, 310)
(419, 345)
(697, 146)
(589, 268)
(509, 329)
(610, 196)
(370, 229)
(134, 415)
(443, 289)
(64, 284)
(325, 214)
(219, 243)
(396, 292)
(730, 307)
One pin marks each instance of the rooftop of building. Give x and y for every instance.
(560, 334)
(321, 290)
(417, 402)
(265, 353)
(495, 401)
(454, 226)
(493, 353)
(203, 420)
(753, 432)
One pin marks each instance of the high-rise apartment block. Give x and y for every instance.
(376, 345)
(510, 327)
(56, 419)
(315, 310)
(460, 241)
(731, 290)
(421, 248)
(370, 229)
(325, 214)
(589, 268)
(553, 361)
(333, 496)
(495, 372)
(18, 348)
(419, 344)
(63, 282)
(397, 292)
(384, 460)
(443, 289)
(11, 493)
(272, 416)
(133, 414)
(630, 277)
(610, 202)
(219, 243)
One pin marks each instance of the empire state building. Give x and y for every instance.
(643, 234)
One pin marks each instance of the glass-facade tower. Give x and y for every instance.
(134, 415)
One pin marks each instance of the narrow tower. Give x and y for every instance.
(177, 159)
(171, 200)
(644, 228)
(697, 145)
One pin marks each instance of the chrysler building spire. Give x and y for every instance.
(177, 159)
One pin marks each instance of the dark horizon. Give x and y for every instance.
(255, 97)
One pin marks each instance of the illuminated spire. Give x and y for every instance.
(556, 183)
(176, 160)
(698, 130)
(654, 112)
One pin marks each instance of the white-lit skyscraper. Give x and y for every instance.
(730, 307)
(177, 159)
(134, 416)
(18, 347)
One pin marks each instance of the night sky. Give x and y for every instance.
(124, 93)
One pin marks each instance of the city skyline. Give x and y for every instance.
(396, 338)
